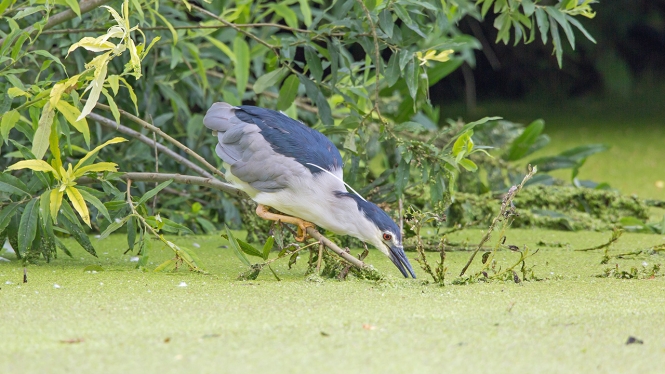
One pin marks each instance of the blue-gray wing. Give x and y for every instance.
(268, 149)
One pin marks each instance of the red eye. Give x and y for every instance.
(387, 236)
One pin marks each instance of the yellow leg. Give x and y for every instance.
(262, 211)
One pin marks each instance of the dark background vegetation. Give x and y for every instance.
(627, 61)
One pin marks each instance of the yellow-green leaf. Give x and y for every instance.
(74, 4)
(15, 92)
(132, 95)
(112, 105)
(114, 83)
(223, 47)
(71, 114)
(174, 33)
(92, 44)
(152, 43)
(116, 16)
(100, 166)
(40, 140)
(36, 165)
(78, 204)
(306, 12)
(94, 151)
(55, 147)
(95, 89)
(134, 60)
(59, 88)
(55, 202)
(9, 120)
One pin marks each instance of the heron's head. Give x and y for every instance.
(382, 232)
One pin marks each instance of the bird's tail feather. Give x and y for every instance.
(221, 117)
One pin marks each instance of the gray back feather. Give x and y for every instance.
(250, 157)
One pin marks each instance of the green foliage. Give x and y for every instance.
(358, 71)
(555, 207)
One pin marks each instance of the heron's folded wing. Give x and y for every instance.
(252, 159)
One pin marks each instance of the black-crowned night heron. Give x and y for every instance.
(283, 164)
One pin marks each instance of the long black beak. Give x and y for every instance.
(398, 257)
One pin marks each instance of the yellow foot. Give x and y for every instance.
(302, 230)
(263, 212)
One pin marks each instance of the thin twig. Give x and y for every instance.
(161, 133)
(144, 139)
(318, 260)
(342, 253)
(616, 234)
(507, 208)
(154, 200)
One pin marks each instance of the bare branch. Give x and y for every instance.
(311, 231)
(144, 139)
(161, 133)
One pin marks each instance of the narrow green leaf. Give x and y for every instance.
(112, 105)
(40, 141)
(6, 215)
(18, 46)
(48, 55)
(529, 7)
(543, 24)
(556, 41)
(222, 47)
(173, 227)
(267, 247)
(269, 79)
(393, 71)
(521, 145)
(579, 26)
(72, 225)
(74, 4)
(166, 265)
(283, 11)
(306, 12)
(207, 226)
(411, 76)
(241, 66)
(561, 19)
(314, 63)
(386, 22)
(236, 248)
(486, 7)
(131, 233)
(468, 164)
(13, 185)
(87, 196)
(113, 227)
(288, 92)
(28, 226)
(249, 249)
(4, 4)
(148, 195)
(402, 176)
(174, 33)
(583, 151)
